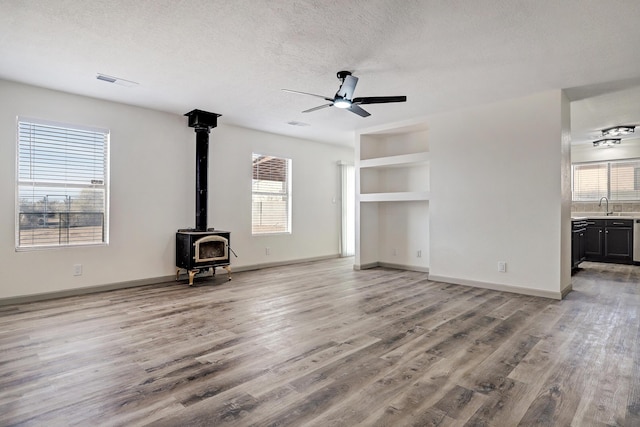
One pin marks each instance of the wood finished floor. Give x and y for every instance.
(319, 344)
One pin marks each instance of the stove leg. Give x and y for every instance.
(228, 268)
(192, 273)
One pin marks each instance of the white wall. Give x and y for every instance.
(498, 188)
(628, 149)
(565, 193)
(152, 193)
(316, 219)
(404, 227)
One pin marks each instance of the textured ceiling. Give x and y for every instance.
(233, 56)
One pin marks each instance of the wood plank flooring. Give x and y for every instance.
(318, 344)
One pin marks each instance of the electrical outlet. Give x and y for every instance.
(77, 269)
(502, 266)
(419, 253)
(267, 251)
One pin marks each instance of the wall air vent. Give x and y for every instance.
(116, 80)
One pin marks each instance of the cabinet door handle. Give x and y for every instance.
(618, 223)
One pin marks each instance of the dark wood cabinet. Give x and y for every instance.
(578, 243)
(609, 240)
(594, 250)
(618, 242)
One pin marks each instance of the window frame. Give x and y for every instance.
(608, 192)
(66, 184)
(287, 194)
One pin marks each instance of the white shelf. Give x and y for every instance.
(405, 196)
(392, 161)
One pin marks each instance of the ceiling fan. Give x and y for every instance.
(344, 97)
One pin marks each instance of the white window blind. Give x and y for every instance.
(625, 180)
(619, 181)
(62, 191)
(271, 195)
(590, 182)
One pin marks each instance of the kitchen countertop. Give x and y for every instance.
(621, 215)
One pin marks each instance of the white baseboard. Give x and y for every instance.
(22, 299)
(365, 266)
(390, 265)
(501, 287)
(281, 263)
(165, 279)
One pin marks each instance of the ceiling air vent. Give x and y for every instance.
(116, 80)
(294, 123)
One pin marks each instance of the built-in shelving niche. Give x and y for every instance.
(393, 198)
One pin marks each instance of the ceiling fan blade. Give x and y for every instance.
(306, 93)
(359, 111)
(379, 99)
(347, 87)
(318, 108)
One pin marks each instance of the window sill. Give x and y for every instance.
(46, 248)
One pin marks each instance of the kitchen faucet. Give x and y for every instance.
(606, 200)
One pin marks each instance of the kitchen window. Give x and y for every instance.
(271, 195)
(618, 181)
(62, 185)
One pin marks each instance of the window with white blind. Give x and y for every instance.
(624, 181)
(62, 185)
(590, 181)
(270, 195)
(618, 181)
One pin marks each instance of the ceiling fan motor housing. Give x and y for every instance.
(343, 74)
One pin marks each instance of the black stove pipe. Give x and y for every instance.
(202, 170)
(202, 122)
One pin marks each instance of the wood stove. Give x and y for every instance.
(201, 248)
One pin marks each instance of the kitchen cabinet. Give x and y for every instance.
(609, 240)
(578, 243)
(618, 240)
(594, 236)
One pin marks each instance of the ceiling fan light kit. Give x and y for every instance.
(344, 99)
(341, 103)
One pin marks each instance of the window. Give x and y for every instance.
(619, 181)
(624, 180)
(271, 195)
(590, 181)
(62, 185)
